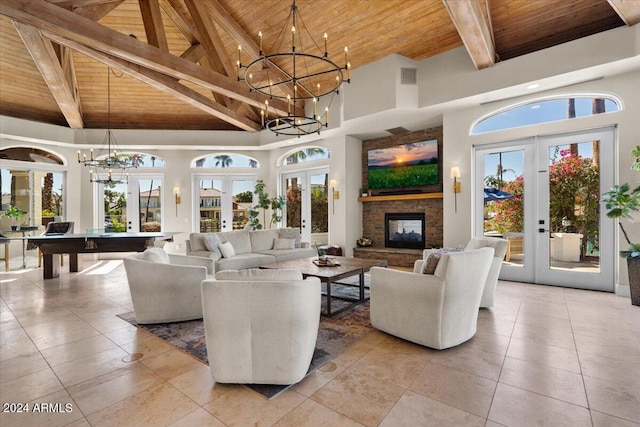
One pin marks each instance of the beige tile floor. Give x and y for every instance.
(544, 356)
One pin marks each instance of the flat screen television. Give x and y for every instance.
(408, 165)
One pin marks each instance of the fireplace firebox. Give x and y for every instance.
(404, 230)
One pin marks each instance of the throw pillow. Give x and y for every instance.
(212, 241)
(291, 233)
(196, 240)
(227, 250)
(157, 255)
(432, 259)
(284, 243)
(430, 263)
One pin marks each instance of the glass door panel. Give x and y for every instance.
(319, 205)
(241, 204)
(575, 170)
(504, 185)
(294, 189)
(149, 204)
(503, 201)
(114, 207)
(209, 199)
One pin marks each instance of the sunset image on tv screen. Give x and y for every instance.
(408, 165)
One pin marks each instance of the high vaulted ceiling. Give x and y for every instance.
(174, 61)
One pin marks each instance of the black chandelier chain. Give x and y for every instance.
(107, 162)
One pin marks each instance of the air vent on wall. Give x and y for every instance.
(409, 76)
(397, 131)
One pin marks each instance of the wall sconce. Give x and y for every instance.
(176, 192)
(335, 194)
(455, 174)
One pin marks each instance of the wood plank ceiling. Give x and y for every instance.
(174, 61)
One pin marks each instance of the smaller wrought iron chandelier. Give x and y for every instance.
(107, 166)
(295, 76)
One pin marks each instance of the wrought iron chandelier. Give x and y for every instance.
(107, 166)
(296, 76)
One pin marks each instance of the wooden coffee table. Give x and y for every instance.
(330, 274)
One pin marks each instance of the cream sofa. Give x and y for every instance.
(251, 248)
(260, 325)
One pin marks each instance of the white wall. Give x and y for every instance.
(458, 148)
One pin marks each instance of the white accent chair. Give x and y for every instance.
(166, 287)
(260, 326)
(437, 311)
(499, 246)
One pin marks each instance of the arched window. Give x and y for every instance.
(307, 154)
(31, 180)
(149, 161)
(30, 154)
(547, 110)
(225, 160)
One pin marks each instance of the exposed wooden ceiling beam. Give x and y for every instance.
(92, 9)
(153, 26)
(473, 24)
(627, 10)
(177, 13)
(217, 56)
(194, 53)
(209, 37)
(64, 90)
(164, 83)
(56, 20)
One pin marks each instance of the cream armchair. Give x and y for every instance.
(500, 249)
(437, 311)
(165, 287)
(260, 326)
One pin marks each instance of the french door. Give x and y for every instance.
(223, 201)
(133, 206)
(542, 194)
(307, 203)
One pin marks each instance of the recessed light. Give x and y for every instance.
(533, 86)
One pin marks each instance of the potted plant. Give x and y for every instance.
(15, 214)
(620, 202)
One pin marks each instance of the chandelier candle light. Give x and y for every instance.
(296, 76)
(114, 166)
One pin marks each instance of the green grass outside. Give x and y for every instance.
(403, 176)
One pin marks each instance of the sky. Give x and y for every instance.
(538, 112)
(403, 153)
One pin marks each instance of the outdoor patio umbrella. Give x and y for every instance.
(493, 194)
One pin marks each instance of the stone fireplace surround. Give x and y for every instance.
(427, 200)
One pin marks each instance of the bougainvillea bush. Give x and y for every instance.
(573, 194)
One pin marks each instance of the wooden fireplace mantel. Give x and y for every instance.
(400, 197)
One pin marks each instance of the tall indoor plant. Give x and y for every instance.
(620, 202)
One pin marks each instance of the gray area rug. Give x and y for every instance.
(334, 336)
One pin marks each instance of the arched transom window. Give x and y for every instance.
(306, 154)
(547, 110)
(225, 160)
